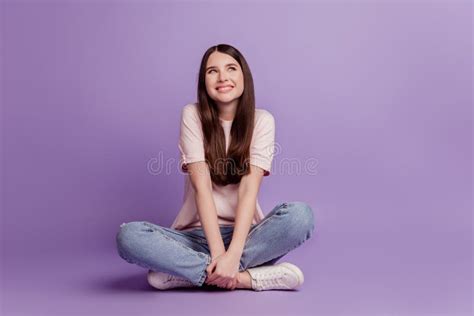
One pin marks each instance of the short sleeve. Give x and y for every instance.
(263, 142)
(191, 144)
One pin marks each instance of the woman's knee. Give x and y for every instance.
(301, 218)
(127, 234)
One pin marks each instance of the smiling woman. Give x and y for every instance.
(224, 83)
(220, 236)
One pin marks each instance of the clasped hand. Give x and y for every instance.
(223, 271)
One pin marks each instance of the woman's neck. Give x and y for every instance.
(227, 110)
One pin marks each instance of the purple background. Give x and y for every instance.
(380, 93)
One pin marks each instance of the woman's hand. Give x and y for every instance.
(223, 271)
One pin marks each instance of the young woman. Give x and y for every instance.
(221, 237)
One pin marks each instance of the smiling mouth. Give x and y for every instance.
(225, 89)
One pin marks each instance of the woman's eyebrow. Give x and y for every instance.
(231, 64)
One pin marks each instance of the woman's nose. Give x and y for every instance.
(222, 76)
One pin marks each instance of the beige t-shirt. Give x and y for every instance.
(191, 146)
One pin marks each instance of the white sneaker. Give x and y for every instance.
(282, 276)
(164, 281)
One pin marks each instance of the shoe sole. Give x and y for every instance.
(296, 270)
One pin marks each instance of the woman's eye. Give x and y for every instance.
(210, 71)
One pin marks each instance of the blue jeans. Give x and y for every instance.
(187, 254)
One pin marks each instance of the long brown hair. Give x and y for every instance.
(227, 168)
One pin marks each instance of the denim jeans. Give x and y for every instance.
(187, 254)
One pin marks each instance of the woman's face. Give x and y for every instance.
(224, 78)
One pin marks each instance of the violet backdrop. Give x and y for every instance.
(378, 95)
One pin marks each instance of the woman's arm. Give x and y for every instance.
(248, 190)
(201, 182)
(227, 266)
